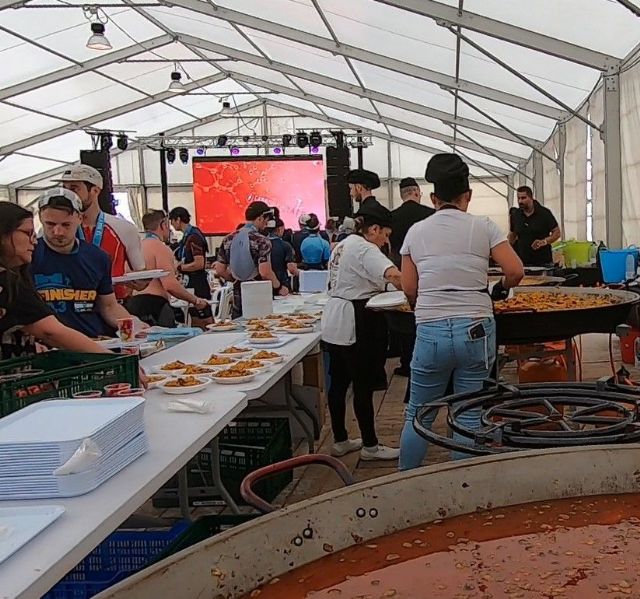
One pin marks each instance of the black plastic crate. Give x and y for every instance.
(267, 441)
(24, 381)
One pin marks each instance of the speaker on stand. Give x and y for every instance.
(337, 182)
(101, 161)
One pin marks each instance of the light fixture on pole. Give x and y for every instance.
(176, 86)
(122, 142)
(315, 139)
(226, 108)
(98, 19)
(302, 139)
(183, 153)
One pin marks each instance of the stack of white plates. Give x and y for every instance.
(36, 441)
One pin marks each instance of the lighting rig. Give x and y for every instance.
(310, 139)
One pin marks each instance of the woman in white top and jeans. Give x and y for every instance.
(445, 261)
(355, 337)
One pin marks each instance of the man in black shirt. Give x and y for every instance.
(533, 230)
(361, 184)
(407, 215)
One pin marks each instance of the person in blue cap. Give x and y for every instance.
(314, 250)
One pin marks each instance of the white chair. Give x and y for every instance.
(224, 297)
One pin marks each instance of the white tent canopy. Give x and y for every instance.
(491, 78)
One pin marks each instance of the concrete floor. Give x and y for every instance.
(314, 480)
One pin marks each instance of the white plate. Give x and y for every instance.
(23, 524)
(204, 382)
(141, 275)
(298, 331)
(222, 328)
(264, 340)
(233, 361)
(265, 366)
(390, 299)
(272, 360)
(160, 370)
(243, 353)
(158, 383)
(235, 380)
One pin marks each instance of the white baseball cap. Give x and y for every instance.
(57, 197)
(82, 172)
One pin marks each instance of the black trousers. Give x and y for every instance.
(360, 365)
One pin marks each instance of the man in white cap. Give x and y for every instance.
(117, 237)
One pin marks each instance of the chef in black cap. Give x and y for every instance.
(445, 261)
(403, 218)
(356, 338)
(361, 184)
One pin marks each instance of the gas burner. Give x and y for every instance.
(537, 416)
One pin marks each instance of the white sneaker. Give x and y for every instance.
(379, 452)
(345, 447)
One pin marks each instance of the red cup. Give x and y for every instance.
(112, 390)
(87, 394)
(125, 329)
(132, 392)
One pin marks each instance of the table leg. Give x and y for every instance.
(217, 478)
(570, 357)
(183, 493)
(294, 404)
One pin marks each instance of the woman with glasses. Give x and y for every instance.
(24, 317)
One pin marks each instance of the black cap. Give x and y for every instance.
(256, 209)
(313, 224)
(449, 175)
(367, 178)
(375, 214)
(408, 182)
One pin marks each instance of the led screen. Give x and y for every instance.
(222, 188)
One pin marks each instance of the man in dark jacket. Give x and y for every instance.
(361, 184)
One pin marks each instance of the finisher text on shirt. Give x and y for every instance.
(68, 295)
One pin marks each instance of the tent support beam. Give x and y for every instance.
(445, 117)
(494, 171)
(370, 116)
(522, 77)
(538, 177)
(109, 114)
(115, 152)
(360, 54)
(534, 146)
(613, 161)
(446, 16)
(393, 138)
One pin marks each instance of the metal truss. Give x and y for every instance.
(345, 50)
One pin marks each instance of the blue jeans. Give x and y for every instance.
(444, 349)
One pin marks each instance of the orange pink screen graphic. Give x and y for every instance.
(223, 189)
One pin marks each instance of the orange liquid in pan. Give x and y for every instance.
(586, 548)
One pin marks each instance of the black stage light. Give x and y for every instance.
(184, 155)
(302, 139)
(123, 142)
(221, 142)
(315, 139)
(171, 155)
(245, 138)
(286, 140)
(106, 141)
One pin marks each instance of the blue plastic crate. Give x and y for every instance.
(123, 553)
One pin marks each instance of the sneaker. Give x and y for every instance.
(345, 447)
(379, 452)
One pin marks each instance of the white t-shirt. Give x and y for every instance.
(356, 271)
(451, 251)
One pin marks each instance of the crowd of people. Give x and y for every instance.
(56, 288)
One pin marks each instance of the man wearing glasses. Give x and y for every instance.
(72, 276)
(152, 305)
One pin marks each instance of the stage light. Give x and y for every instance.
(286, 140)
(106, 141)
(201, 151)
(98, 40)
(245, 138)
(171, 155)
(339, 137)
(123, 142)
(226, 109)
(277, 150)
(302, 139)
(184, 155)
(221, 142)
(235, 151)
(314, 150)
(265, 138)
(315, 139)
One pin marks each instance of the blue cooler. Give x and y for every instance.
(613, 264)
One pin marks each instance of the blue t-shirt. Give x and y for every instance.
(71, 283)
(315, 250)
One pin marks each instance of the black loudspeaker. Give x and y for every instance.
(101, 161)
(337, 182)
